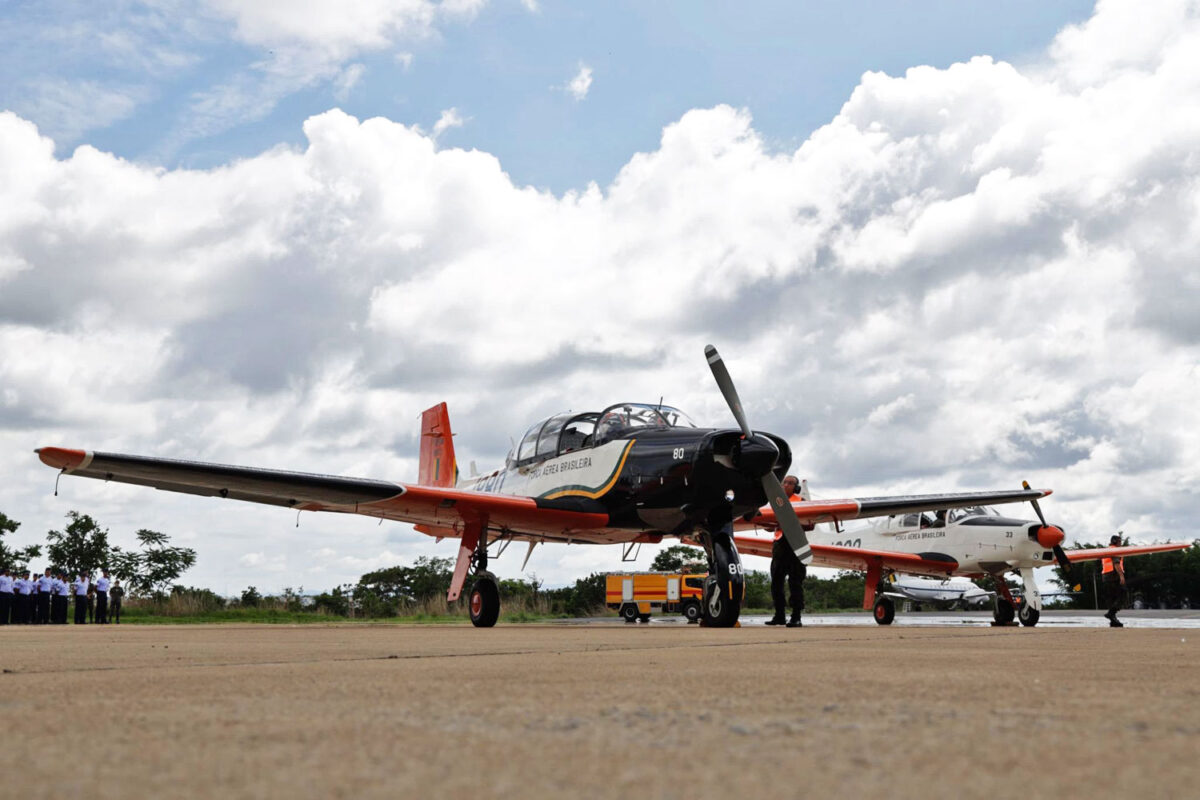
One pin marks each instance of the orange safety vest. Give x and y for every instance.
(1106, 565)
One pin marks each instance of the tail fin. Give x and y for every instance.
(437, 465)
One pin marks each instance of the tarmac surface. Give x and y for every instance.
(599, 710)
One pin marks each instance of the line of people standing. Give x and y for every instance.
(44, 600)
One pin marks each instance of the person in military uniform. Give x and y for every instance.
(115, 595)
(6, 596)
(81, 586)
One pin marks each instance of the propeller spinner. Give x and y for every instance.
(1052, 537)
(776, 496)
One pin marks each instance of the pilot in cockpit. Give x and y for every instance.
(610, 425)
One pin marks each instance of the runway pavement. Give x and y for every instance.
(603, 710)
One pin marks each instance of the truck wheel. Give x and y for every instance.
(885, 611)
(629, 612)
(691, 611)
(644, 618)
(484, 603)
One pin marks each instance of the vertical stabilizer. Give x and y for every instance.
(437, 465)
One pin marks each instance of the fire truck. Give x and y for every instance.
(634, 595)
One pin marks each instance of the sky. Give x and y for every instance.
(941, 246)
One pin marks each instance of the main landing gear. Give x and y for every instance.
(483, 601)
(725, 586)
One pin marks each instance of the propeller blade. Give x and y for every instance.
(792, 530)
(725, 383)
(1067, 566)
(1037, 509)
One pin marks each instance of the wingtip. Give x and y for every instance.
(61, 457)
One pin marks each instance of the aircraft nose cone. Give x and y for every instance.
(1050, 536)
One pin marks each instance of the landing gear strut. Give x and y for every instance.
(725, 586)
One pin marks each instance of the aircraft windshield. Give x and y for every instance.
(972, 511)
(625, 417)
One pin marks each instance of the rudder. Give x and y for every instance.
(437, 465)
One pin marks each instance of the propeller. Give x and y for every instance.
(1059, 554)
(776, 496)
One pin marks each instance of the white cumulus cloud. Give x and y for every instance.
(968, 277)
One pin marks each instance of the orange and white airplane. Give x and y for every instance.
(630, 473)
(969, 541)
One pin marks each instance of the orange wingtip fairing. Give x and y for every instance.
(61, 457)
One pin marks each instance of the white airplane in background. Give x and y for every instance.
(970, 541)
(945, 594)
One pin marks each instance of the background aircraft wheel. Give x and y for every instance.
(691, 611)
(1029, 615)
(484, 603)
(885, 611)
(1004, 612)
(629, 612)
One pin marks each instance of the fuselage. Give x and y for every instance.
(658, 478)
(978, 539)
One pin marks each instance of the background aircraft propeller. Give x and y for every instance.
(1059, 553)
(776, 496)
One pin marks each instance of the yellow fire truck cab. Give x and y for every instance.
(634, 595)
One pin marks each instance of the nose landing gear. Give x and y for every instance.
(725, 586)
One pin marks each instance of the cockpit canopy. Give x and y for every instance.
(565, 432)
(929, 519)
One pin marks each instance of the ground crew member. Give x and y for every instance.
(44, 584)
(115, 595)
(785, 566)
(58, 603)
(1113, 577)
(81, 586)
(6, 596)
(24, 599)
(102, 584)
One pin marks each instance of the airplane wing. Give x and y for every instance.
(811, 512)
(1119, 552)
(856, 558)
(441, 511)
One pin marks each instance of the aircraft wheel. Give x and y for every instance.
(629, 612)
(885, 611)
(691, 611)
(484, 603)
(1029, 615)
(720, 610)
(1004, 612)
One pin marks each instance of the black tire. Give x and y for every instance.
(720, 610)
(1029, 615)
(629, 612)
(885, 611)
(644, 618)
(484, 603)
(1004, 612)
(691, 611)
